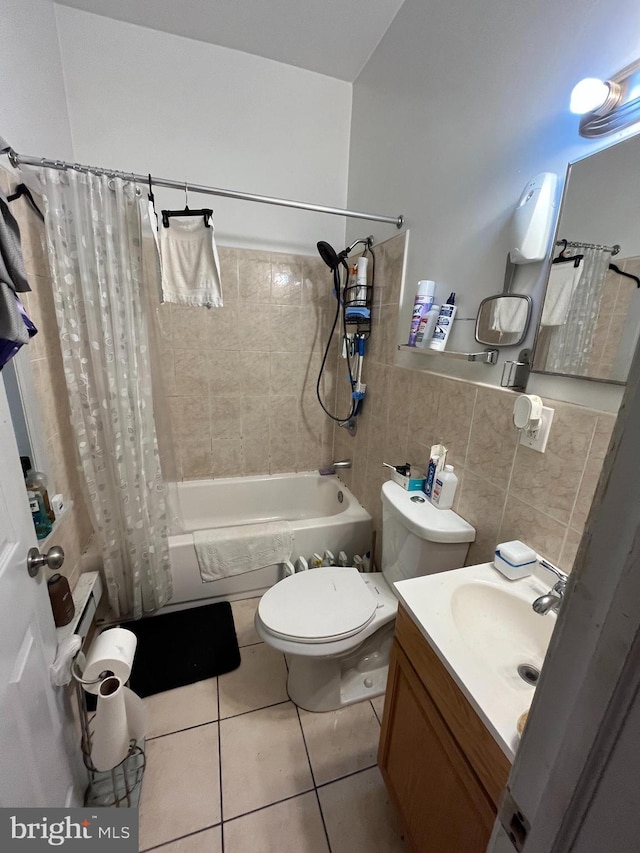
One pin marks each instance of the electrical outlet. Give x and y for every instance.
(537, 439)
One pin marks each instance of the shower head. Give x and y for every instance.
(332, 259)
(328, 255)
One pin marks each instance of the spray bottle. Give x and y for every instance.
(443, 325)
(421, 305)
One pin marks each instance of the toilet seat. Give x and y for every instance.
(319, 606)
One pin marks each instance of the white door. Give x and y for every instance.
(574, 781)
(38, 761)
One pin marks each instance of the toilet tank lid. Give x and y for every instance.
(423, 519)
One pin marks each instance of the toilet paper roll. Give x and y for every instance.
(113, 651)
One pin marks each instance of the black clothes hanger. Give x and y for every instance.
(206, 213)
(625, 274)
(564, 259)
(152, 199)
(22, 190)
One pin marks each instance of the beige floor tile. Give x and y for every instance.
(378, 706)
(183, 707)
(181, 785)
(260, 680)
(263, 759)
(341, 742)
(359, 816)
(294, 826)
(243, 614)
(208, 841)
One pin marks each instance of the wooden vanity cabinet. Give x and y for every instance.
(443, 769)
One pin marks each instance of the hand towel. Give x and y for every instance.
(190, 263)
(12, 271)
(226, 551)
(60, 669)
(563, 279)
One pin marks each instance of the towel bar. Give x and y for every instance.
(488, 356)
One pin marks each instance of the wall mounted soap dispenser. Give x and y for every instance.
(533, 219)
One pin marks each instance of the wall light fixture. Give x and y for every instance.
(607, 105)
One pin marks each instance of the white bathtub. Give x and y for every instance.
(321, 510)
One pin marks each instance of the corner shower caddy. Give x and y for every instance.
(358, 325)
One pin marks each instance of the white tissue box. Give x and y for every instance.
(515, 559)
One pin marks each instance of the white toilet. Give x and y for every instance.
(336, 625)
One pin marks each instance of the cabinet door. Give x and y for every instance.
(444, 807)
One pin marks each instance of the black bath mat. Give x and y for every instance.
(182, 648)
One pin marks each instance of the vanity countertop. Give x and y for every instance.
(482, 627)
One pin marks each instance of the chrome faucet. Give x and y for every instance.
(331, 469)
(552, 599)
(343, 463)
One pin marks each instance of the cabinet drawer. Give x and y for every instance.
(485, 756)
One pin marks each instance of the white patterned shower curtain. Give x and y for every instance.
(95, 253)
(570, 345)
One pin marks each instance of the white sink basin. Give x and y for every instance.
(482, 627)
(499, 627)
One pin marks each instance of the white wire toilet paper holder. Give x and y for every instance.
(120, 786)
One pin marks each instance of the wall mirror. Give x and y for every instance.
(503, 320)
(590, 317)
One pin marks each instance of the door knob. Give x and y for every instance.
(54, 558)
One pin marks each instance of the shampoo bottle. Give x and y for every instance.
(351, 291)
(421, 306)
(444, 323)
(361, 281)
(61, 600)
(427, 327)
(444, 488)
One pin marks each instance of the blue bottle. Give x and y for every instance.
(39, 515)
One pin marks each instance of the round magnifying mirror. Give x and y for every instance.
(503, 320)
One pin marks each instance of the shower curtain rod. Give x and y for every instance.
(23, 159)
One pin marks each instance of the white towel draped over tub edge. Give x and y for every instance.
(226, 551)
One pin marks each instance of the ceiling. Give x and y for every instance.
(333, 37)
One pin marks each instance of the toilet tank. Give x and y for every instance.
(418, 538)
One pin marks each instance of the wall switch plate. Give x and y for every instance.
(537, 439)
